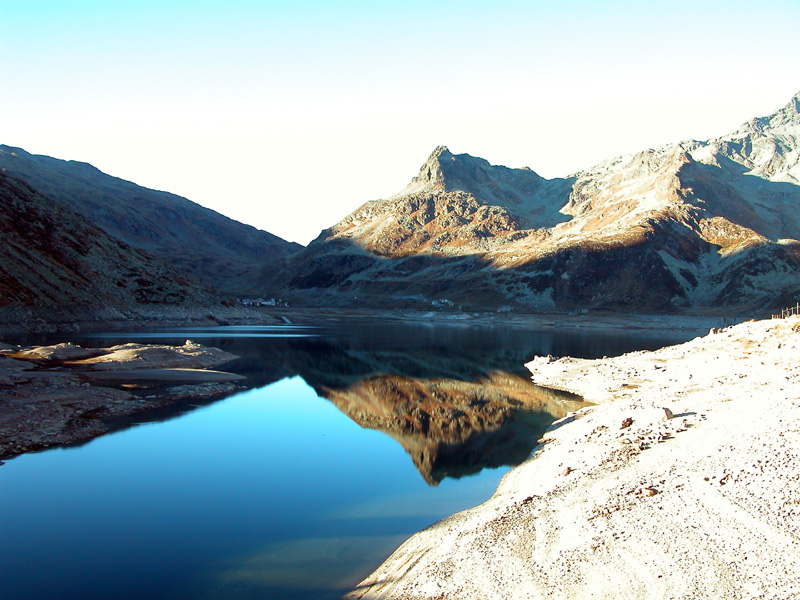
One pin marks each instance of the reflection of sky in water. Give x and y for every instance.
(271, 493)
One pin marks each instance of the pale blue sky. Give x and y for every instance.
(289, 115)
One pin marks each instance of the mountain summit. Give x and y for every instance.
(447, 172)
(768, 147)
(785, 117)
(456, 204)
(431, 175)
(692, 225)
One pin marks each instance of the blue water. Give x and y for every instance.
(269, 493)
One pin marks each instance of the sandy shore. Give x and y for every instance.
(63, 394)
(682, 482)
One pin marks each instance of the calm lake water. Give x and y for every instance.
(343, 443)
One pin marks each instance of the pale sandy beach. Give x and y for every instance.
(683, 481)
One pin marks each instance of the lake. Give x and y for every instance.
(342, 443)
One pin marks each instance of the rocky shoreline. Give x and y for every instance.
(681, 482)
(65, 394)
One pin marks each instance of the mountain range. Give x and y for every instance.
(693, 225)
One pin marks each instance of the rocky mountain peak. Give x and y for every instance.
(431, 173)
(766, 147)
(794, 104)
(786, 117)
(446, 172)
(792, 110)
(495, 184)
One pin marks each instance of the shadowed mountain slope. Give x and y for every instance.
(694, 225)
(51, 257)
(198, 241)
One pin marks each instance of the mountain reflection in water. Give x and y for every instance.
(455, 399)
(452, 428)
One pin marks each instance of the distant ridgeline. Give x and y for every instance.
(694, 225)
(200, 243)
(54, 259)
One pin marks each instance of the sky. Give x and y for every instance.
(290, 115)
